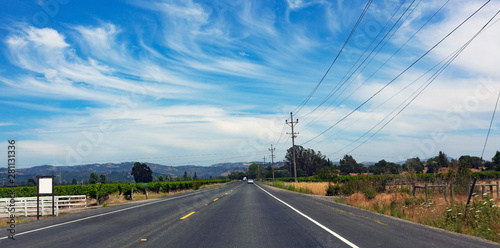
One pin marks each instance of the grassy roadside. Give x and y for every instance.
(480, 218)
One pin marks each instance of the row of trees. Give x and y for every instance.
(310, 163)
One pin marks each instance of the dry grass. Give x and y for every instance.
(482, 217)
(315, 188)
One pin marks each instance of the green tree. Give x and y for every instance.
(195, 177)
(327, 173)
(432, 167)
(254, 170)
(185, 176)
(496, 161)
(268, 172)
(282, 172)
(307, 161)
(161, 178)
(31, 182)
(488, 165)
(471, 161)
(463, 170)
(94, 178)
(74, 182)
(384, 167)
(238, 175)
(413, 165)
(142, 173)
(103, 179)
(443, 160)
(349, 165)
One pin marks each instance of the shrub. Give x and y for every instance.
(196, 185)
(332, 190)
(369, 193)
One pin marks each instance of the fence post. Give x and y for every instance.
(451, 192)
(498, 191)
(445, 189)
(415, 190)
(483, 189)
(25, 207)
(470, 193)
(491, 189)
(426, 191)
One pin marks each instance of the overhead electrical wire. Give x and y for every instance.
(387, 60)
(400, 74)
(404, 88)
(342, 81)
(371, 58)
(281, 135)
(397, 51)
(304, 102)
(390, 98)
(489, 129)
(431, 79)
(415, 92)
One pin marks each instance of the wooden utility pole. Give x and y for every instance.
(291, 123)
(264, 163)
(272, 158)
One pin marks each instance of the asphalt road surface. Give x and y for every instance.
(233, 215)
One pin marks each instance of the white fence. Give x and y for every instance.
(26, 206)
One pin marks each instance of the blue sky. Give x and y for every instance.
(204, 82)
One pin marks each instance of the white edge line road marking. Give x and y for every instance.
(313, 221)
(99, 215)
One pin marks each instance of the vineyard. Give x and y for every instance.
(94, 190)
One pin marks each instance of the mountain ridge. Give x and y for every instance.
(119, 172)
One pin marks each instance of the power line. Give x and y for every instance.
(281, 135)
(400, 74)
(489, 129)
(336, 89)
(388, 99)
(431, 79)
(297, 110)
(393, 54)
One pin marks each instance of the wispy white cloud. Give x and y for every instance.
(200, 77)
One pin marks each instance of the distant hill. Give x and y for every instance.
(120, 172)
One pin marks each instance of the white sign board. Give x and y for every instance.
(45, 185)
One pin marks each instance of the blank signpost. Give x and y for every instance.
(45, 186)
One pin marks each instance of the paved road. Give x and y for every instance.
(234, 215)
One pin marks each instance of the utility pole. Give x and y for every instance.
(264, 162)
(291, 123)
(272, 158)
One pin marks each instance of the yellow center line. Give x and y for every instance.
(216, 199)
(187, 215)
